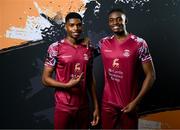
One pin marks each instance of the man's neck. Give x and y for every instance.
(121, 35)
(72, 41)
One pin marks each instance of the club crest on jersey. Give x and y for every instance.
(86, 57)
(77, 67)
(115, 63)
(126, 53)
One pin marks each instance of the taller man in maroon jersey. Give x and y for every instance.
(122, 55)
(72, 64)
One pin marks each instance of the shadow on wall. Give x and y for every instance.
(25, 103)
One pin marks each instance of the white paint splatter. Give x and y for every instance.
(32, 30)
(96, 8)
(34, 25)
(133, 3)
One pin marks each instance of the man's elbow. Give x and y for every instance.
(153, 77)
(44, 81)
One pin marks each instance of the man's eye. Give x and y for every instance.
(110, 20)
(119, 19)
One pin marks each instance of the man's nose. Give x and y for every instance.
(75, 27)
(115, 21)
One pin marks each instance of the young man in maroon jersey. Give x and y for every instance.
(122, 55)
(73, 66)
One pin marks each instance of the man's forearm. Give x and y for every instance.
(146, 86)
(50, 82)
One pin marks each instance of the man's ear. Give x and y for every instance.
(65, 27)
(126, 21)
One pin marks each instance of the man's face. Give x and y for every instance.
(74, 28)
(117, 22)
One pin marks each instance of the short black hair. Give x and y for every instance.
(116, 10)
(72, 15)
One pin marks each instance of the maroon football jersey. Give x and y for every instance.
(69, 62)
(121, 62)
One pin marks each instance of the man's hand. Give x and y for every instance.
(131, 107)
(87, 42)
(74, 81)
(95, 117)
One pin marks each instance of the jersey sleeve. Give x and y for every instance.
(51, 57)
(144, 54)
(100, 45)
